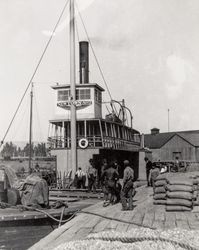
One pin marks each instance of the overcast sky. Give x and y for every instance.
(148, 51)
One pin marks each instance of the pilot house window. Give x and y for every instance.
(98, 96)
(63, 95)
(83, 94)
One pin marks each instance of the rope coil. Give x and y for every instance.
(141, 239)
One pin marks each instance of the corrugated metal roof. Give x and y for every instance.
(158, 140)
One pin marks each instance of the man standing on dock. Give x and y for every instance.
(110, 177)
(92, 176)
(148, 169)
(80, 175)
(127, 189)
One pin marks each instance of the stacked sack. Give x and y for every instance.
(195, 189)
(160, 190)
(179, 194)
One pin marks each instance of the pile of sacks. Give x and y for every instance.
(160, 190)
(195, 179)
(176, 191)
(179, 194)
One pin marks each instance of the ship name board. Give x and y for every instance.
(78, 103)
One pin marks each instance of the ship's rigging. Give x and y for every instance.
(114, 115)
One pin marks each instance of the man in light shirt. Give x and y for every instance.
(80, 175)
(127, 189)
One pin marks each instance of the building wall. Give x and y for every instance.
(156, 154)
(176, 146)
(197, 153)
(64, 159)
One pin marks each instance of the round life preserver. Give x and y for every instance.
(83, 143)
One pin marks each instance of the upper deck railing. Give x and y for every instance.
(59, 142)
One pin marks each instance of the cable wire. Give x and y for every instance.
(93, 51)
(115, 219)
(35, 71)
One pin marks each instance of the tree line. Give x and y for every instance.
(11, 150)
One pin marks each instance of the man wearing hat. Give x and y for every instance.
(110, 177)
(127, 189)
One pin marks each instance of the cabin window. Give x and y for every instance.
(83, 94)
(109, 130)
(98, 96)
(80, 129)
(63, 95)
(93, 128)
(121, 132)
(103, 129)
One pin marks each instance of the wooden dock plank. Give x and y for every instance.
(106, 224)
(197, 215)
(158, 224)
(93, 220)
(113, 224)
(100, 226)
(148, 219)
(82, 233)
(71, 232)
(127, 216)
(137, 220)
(193, 221)
(180, 216)
(159, 216)
(182, 224)
(170, 220)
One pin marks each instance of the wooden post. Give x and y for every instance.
(30, 132)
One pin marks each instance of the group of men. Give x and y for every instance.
(108, 178)
(91, 174)
(113, 190)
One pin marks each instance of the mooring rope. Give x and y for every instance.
(115, 219)
(133, 239)
(4, 205)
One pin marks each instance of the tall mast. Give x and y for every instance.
(73, 89)
(30, 131)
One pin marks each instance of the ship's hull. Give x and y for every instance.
(98, 155)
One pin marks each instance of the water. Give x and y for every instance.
(22, 235)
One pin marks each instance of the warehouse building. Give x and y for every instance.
(168, 146)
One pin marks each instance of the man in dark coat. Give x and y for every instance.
(127, 189)
(148, 169)
(92, 176)
(109, 177)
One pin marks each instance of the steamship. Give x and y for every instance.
(98, 137)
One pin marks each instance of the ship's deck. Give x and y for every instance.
(144, 214)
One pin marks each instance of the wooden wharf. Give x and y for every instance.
(14, 214)
(21, 229)
(145, 214)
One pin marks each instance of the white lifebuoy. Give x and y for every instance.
(83, 143)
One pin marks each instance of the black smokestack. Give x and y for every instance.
(84, 62)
